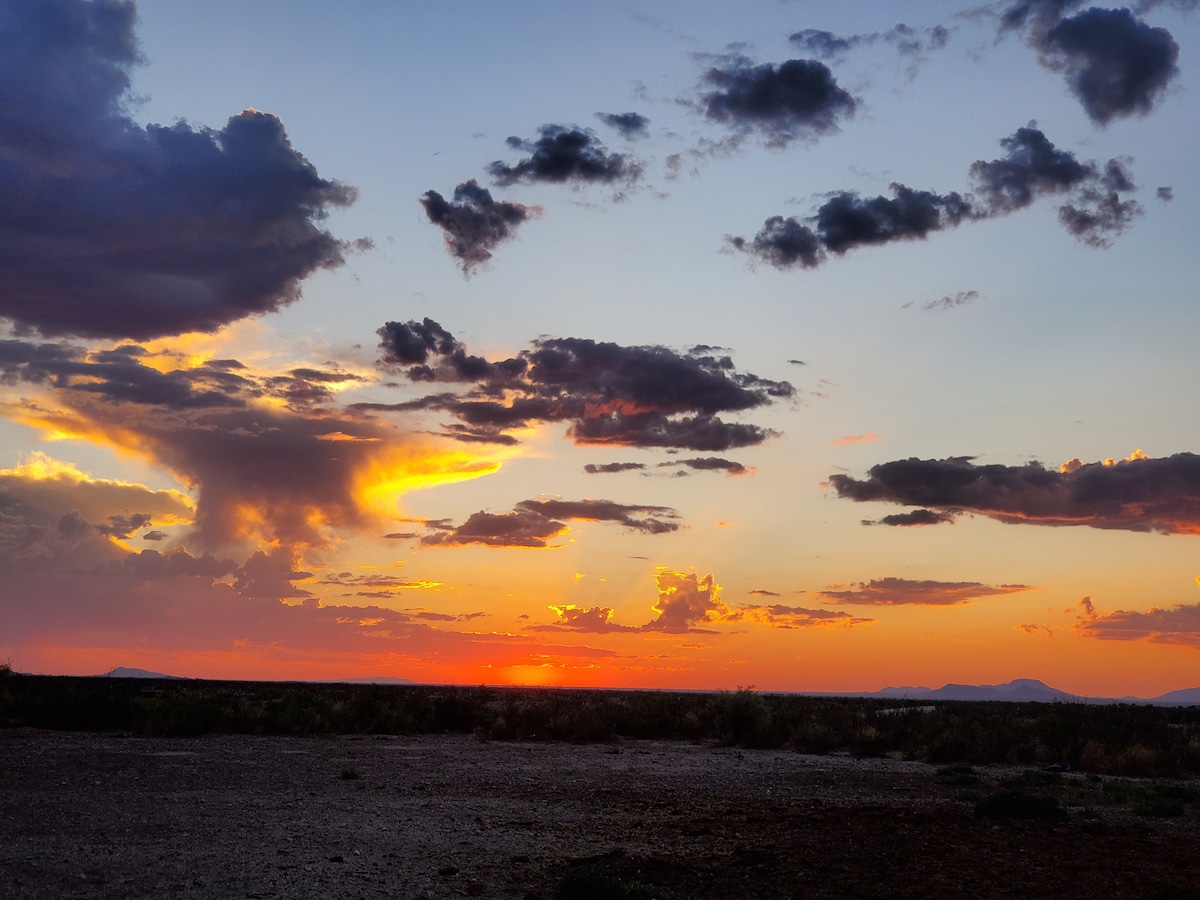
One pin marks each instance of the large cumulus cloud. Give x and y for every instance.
(269, 455)
(1116, 64)
(111, 229)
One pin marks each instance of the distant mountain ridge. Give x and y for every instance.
(1025, 690)
(131, 672)
(1019, 690)
(126, 672)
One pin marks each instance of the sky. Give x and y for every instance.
(805, 345)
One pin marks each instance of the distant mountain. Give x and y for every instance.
(124, 672)
(1020, 690)
(1185, 697)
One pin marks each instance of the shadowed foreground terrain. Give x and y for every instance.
(228, 816)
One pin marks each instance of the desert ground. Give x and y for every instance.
(87, 815)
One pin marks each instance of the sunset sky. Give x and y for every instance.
(808, 345)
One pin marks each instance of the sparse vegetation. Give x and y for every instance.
(1119, 739)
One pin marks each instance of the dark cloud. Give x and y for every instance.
(630, 124)
(110, 229)
(648, 396)
(125, 374)
(409, 343)
(760, 592)
(605, 468)
(154, 536)
(917, 517)
(1176, 625)
(1165, 194)
(1032, 167)
(565, 154)
(907, 40)
(150, 565)
(474, 223)
(797, 99)
(1135, 494)
(784, 244)
(709, 464)
(1115, 64)
(846, 221)
(271, 575)
(533, 523)
(903, 592)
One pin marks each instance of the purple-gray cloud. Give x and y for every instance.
(797, 99)
(1032, 167)
(109, 229)
(565, 154)
(1115, 63)
(473, 223)
(1136, 494)
(647, 396)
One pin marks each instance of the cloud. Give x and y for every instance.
(918, 517)
(630, 124)
(473, 223)
(261, 468)
(797, 99)
(1033, 167)
(685, 602)
(907, 40)
(903, 592)
(534, 523)
(112, 229)
(1165, 194)
(150, 565)
(565, 154)
(1176, 625)
(709, 464)
(1115, 64)
(644, 396)
(791, 617)
(131, 374)
(594, 620)
(605, 468)
(962, 298)
(53, 513)
(1135, 494)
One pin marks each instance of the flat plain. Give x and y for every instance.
(109, 815)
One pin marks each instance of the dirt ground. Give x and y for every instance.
(227, 816)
